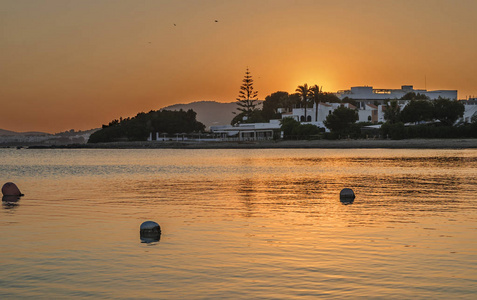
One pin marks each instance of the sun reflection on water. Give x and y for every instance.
(241, 224)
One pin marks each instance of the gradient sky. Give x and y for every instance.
(79, 64)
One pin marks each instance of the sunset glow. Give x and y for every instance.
(80, 64)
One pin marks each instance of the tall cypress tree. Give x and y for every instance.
(247, 97)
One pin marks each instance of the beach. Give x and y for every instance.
(285, 144)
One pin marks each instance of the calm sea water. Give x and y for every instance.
(252, 224)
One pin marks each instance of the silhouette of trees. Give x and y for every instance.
(316, 95)
(350, 101)
(330, 97)
(448, 111)
(293, 129)
(416, 111)
(445, 110)
(272, 103)
(288, 126)
(294, 100)
(414, 96)
(341, 119)
(304, 92)
(247, 98)
(139, 127)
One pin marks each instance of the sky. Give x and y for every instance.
(80, 64)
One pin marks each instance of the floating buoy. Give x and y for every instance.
(150, 232)
(347, 196)
(11, 189)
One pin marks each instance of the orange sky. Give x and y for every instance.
(79, 64)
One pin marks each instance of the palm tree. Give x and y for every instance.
(316, 93)
(304, 92)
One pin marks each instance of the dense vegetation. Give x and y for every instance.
(399, 131)
(426, 119)
(139, 127)
(341, 119)
(293, 129)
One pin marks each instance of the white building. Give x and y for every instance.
(316, 114)
(368, 95)
(248, 131)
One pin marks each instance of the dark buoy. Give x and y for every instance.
(347, 196)
(150, 232)
(11, 189)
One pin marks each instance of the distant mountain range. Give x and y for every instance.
(210, 112)
(4, 132)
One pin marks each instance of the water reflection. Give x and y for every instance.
(9, 202)
(391, 161)
(266, 226)
(150, 239)
(247, 192)
(346, 200)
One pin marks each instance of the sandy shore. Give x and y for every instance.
(325, 144)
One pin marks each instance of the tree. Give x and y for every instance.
(331, 98)
(341, 119)
(288, 126)
(304, 92)
(448, 111)
(306, 131)
(414, 96)
(316, 95)
(417, 111)
(294, 100)
(272, 103)
(392, 114)
(350, 101)
(293, 129)
(247, 97)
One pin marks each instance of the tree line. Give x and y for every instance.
(429, 119)
(139, 127)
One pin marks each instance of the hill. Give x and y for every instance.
(4, 132)
(210, 112)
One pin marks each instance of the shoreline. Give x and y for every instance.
(282, 144)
